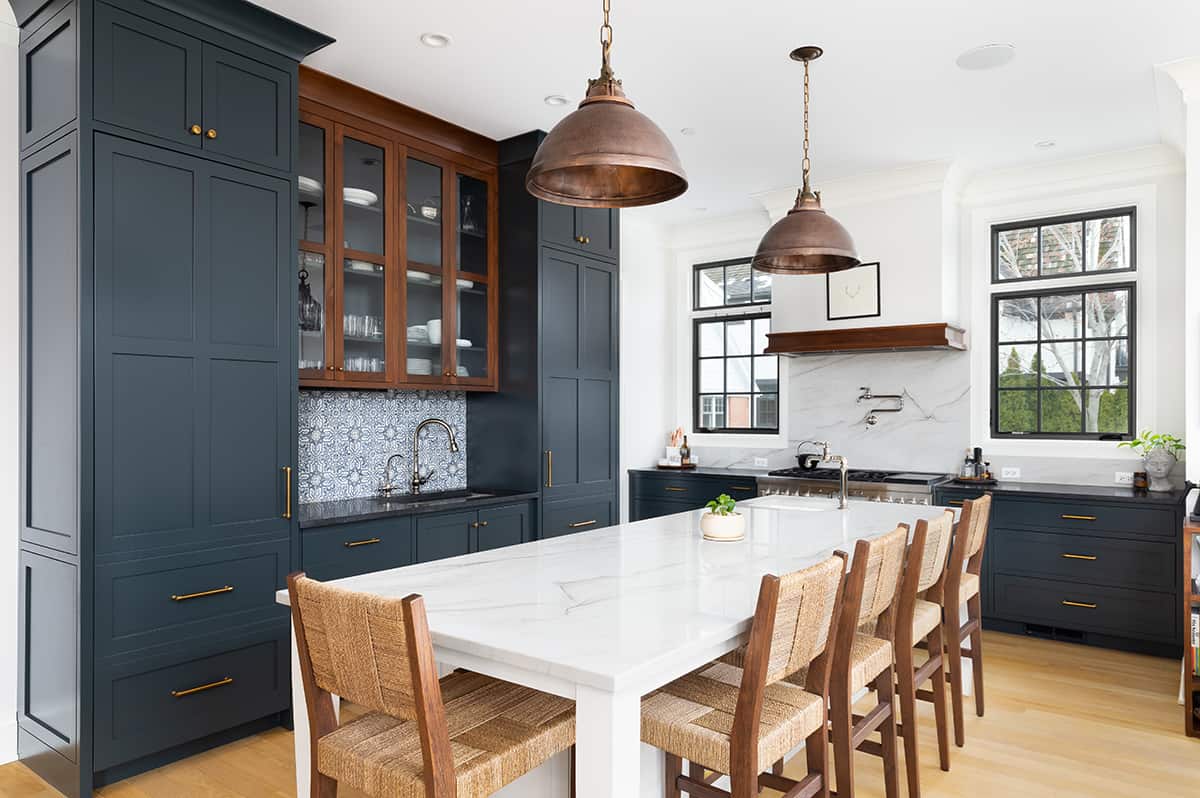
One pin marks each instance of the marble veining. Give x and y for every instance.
(616, 608)
(346, 437)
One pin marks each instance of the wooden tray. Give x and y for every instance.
(974, 481)
(686, 467)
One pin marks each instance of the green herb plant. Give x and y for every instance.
(1147, 442)
(722, 505)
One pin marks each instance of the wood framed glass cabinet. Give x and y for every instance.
(398, 261)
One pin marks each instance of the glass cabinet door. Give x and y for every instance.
(424, 283)
(312, 218)
(473, 258)
(364, 248)
(471, 340)
(472, 233)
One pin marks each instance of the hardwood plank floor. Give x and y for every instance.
(1062, 720)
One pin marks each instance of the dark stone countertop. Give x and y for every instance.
(368, 508)
(1055, 491)
(701, 471)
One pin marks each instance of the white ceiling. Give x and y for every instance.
(886, 94)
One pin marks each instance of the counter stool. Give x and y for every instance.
(863, 660)
(962, 587)
(917, 620)
(466, 735)
(738, 721)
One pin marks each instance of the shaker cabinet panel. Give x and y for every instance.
(247, 108)
(246, 448)
(596, 231)
(49, 79)
(502, 526)
(596, 432)
(48, 685)
(560, 312)
(560, 433)
(597, 312)
(146, 77)
(442, 536)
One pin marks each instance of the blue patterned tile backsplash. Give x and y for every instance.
(346, 438)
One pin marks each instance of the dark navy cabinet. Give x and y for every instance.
(553, 429)
(158, 405)
(654, 493)
(1089, 565)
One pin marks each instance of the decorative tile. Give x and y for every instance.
(346, 437)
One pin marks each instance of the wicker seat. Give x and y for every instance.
(926, 617)
(465, 735)
(740, 719)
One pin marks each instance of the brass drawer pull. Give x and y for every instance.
(287, 478)
(202, 688)
(579, 524)
(676, 489)
(353, 544)
(202, 593)
(741, 487)
(1069, 517)
(1085, 605)
(1088, 557)
(954, 502)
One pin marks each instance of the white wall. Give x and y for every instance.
(9, 335)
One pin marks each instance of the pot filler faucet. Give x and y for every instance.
(814, 460)
(417, 479)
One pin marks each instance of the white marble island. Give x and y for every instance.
(606, 616)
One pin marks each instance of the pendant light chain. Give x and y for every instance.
(606, 37)
(805, 164)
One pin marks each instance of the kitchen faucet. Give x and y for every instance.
(417, 479)
(388, 487)
(813, 460)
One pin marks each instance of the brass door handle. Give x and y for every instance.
(201, 594)
(675, 489)
(195, 130)
(202, 688)
(354, 544)
(579, 524)
(1069, 517)
(1085, 605)
(212, 133)
(287, 479)
(1088, 557)
(549, 468)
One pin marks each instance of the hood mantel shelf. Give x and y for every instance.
(898, 338)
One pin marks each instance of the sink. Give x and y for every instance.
(803, 503)
(406, 499)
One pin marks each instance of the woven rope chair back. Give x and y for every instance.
(803, 615)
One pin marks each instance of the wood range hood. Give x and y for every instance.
(897, 338)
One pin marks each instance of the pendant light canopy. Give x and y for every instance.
(606, 154)
(807, 240)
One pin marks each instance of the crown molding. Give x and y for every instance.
(921, 178)
(1186, 74)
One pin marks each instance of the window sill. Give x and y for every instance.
(1058, 447)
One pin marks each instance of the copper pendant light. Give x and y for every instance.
(807, 240)
(606, 154)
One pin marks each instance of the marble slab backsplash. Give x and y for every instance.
(346, 437)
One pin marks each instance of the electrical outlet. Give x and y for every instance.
(1123, 477)
(1010, 473)
(761, 462)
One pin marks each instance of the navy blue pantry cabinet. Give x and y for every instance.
(553, 425)
(158, 390)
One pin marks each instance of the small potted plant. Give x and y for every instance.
(1160, 452)
(721, 522)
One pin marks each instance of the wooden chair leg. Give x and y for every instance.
(975, 613)
(674, 771)
(777, 768)
(571, 771)
(322, 786)
(816, 752)
(939, 699)
(953, 648)
(906, 679)
(841, 721)
(885, 687)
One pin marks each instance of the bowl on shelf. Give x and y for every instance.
(363, 267)
(465, 283)
(462, 371)
(435, 331)
(420, 365)
(360, 197)
(308, 185)
(463, 343)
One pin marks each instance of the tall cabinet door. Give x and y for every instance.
(247, 109)
(579, 372)
(193, 350)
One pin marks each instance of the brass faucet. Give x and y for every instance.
(417, 479)
(813, 460)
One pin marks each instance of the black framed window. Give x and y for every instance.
(736, 386)
(1099, 242)
(729, 283)
(1063, 362)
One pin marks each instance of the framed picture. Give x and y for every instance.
(853, 293)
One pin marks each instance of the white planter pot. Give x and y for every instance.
(723, 527)
(1158, 465)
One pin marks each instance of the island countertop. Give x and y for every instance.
(618, 607)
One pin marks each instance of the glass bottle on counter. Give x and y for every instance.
(685, 453)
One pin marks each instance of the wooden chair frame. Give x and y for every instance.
(745, 778)
(957, 631)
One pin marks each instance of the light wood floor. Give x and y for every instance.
(1062, 720)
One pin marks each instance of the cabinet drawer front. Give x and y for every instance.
(140, 709)
(1145, 565)
(1083, 516)
(344, 550)
(163, 599)
(1107, 610)
(692, 488)
(577, 515)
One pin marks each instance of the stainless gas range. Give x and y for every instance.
(900, 487)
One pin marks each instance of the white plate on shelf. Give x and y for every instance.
(465, 343)
(415, 276)
(462, 371)
(465, 284)
(360, 196)
(308, 185)
(420, 365)
(362, 267)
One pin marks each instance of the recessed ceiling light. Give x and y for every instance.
(555, 99)
(987, 56)
(435, 40)
(1046, 144)
(688, 131)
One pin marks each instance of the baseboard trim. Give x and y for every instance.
(8, 741)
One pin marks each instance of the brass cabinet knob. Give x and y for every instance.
(583, 239)
(341, 368)
(195, 130)
(212, 133)
(483, 523)
(330, 367)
